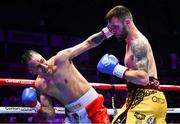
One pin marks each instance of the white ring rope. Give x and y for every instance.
(58, 110)
(61, 110)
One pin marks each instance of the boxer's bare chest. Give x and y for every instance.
(55, 83)
(129, 59)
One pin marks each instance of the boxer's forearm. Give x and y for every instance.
(96, 39)
(47, 112)
(99, 37)
(47, 108)
(139, 77)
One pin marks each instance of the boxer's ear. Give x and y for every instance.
(127, 21)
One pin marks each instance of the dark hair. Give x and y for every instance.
(27, 56)
(118, 11)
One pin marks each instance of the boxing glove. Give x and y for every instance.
(109, 64)
(29, 98)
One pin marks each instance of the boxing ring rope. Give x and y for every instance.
(61, 110)
(27, 82)
(58, 110)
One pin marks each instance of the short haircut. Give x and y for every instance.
(119, 11)
(27, 56)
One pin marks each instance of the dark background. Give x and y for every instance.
(158, 20)
(32, 24)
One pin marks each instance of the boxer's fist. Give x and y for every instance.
(109, 64)
(29, 98)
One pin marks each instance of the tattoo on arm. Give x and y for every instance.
(97, 38)
(139, 50)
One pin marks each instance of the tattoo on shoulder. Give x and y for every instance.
(97, 38)
(139, 50)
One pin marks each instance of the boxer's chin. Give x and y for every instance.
(117, 37)
(120, 38)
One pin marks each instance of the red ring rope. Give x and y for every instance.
(27, 82)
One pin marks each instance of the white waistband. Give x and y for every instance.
(88, 97)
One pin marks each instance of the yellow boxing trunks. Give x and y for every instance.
(144, 105)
